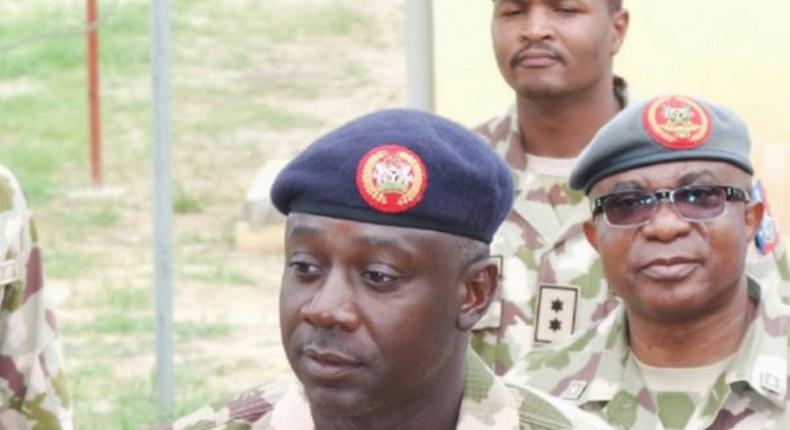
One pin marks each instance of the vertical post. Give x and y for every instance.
(163, 215)
(419, 51)
(93, 92)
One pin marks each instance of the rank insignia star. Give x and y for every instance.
(555, 312)
(556, 305)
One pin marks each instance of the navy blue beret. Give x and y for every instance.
(662, 130)
(403, 168)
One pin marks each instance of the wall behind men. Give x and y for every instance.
(732, 52)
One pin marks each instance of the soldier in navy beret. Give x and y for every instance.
(401, 168)
(698, 343)
(387, 268)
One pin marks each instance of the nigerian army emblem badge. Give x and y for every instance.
(677, 122)
(391, 178)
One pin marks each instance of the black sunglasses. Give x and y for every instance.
(695, 203)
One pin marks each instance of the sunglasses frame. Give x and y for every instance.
(730, 194)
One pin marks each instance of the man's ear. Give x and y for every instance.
(754, 216)
(591, 233)
(478, 290)
(620, 20)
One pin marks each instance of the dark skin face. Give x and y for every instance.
(556, 48)
(374, 324)
(671, 269)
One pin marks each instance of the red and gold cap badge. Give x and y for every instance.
(391, 178)
(677, 122)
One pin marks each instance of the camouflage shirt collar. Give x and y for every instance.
(292, 411)
(614, 355)
(761, 363)
(485, 396)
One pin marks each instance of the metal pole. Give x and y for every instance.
(93, 92)
(163, 216)
(419, 51)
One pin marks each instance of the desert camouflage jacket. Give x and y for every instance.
(33, 392)
(487, 404)
(552, 284)
(596, 370)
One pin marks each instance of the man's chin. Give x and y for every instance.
(538, 89)
(336, 403)
(676, 310)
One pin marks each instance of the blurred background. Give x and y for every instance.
(253, 82)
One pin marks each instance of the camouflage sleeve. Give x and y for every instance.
(33, 392)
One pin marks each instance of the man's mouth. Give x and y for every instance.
(328, 364)
(669, 269)
(535, 58)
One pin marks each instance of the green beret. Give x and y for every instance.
(663, 130)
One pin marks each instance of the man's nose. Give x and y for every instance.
(334, 304)
(537, 26)
(666, 224)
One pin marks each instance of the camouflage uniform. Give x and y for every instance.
(543, 252)
(487, 404)
(596, 371)
(33, 392)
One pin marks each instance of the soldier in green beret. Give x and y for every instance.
(387, 269)
(557, 57)
(699, 343)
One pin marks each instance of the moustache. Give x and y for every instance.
(332, 339)
(539, 46)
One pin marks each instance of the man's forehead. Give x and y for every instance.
(303, 224)
(674, 174)
(521, 2)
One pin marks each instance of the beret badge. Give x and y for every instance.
(677, 122)
(391, 178)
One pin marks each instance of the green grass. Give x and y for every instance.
(115, 322)
(123, 298)
(184, 202)
(122, 40)
(44, 132)
(193, 330)
(34, 166)
(101, 215)
(229, 368)
(219, 275)
(224, 121)
(357, 73)
(69, 263)
(120, 323)
(282, 119)
(277, 21)
(134, 406)
(295, 23)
